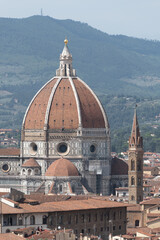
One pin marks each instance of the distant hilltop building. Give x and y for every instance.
(65, 141)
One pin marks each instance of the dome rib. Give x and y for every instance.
(32, 101)
(77, 101)
(50, 101)
(99, 103)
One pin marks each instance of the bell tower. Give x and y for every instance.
(135, 163)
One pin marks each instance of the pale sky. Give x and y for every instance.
(138, 18)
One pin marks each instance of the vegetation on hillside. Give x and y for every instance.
(122, 70)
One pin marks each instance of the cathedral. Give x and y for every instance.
(65, 141)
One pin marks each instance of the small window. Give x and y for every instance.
(62, 147)
(82, 218)
(136, 223)
(33, 148)
(5, 167)
(120, 215)
(114, 228)
(132, 165)
(61, 188)
(120, 227)
(32, 220)
(92, 148)
(132, 181)
(44, 219)
(76, 219)
(69, 219)
(132, 198)
(20, 221)
(61, 219)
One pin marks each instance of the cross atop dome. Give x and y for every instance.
(65, 68)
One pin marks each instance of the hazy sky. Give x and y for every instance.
(139, 18)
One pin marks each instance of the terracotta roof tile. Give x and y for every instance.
(9, 151)
(92, 116)
(10, 236)
(62, 206)
(30, 163)
(153, 220)
(153, 201)
(41, 197)
(38, 107)
(62, 167)
(63, 111)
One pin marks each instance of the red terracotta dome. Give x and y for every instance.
(65, 102)
(119, 167)
(62, 168)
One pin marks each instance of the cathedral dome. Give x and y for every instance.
(119, 167)
(65, 102)
(62, 168)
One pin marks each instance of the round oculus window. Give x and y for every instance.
(92, 148)
(62, 148)
(5, 167)
(33, 148)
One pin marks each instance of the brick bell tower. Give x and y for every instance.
(135, 162)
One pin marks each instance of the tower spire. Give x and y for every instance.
(135, 163)
(135, 139)
(65, 68)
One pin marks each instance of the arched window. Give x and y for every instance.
(132, 181)
(36, 171)
(61, 188)
(132, 198)
(32, 220)
(29, 172)
(44, 219)
(132, 165)
(73, 189)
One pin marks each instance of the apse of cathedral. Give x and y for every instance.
(65, 141)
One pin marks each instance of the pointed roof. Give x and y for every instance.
(135, 139)
(31, 163)
(65, 52)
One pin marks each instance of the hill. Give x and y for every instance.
(116, 67)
